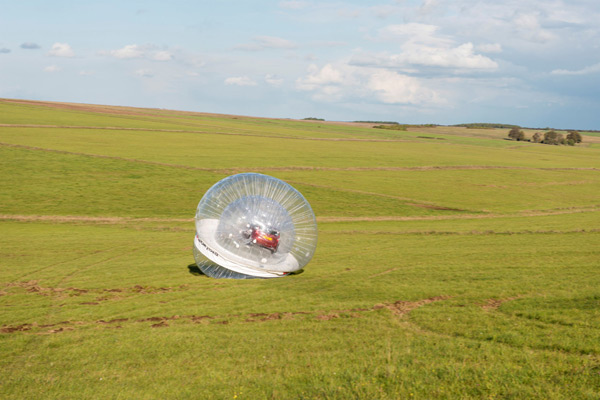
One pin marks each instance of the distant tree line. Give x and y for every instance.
(378, 122)
(402, 127)
(393, 127)
(549, 137)
(485, 125)
(313, 119)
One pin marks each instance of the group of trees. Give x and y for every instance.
(550, 137)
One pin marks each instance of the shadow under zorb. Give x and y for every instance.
(253, 226)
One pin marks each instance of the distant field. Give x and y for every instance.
(452, 263)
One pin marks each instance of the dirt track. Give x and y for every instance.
(132, 221)
(398, 308)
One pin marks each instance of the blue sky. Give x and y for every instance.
(526, 62)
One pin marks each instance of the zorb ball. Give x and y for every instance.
(253, 226)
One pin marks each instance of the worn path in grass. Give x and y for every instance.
(133, 221)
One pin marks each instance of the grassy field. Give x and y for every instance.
(451, 263)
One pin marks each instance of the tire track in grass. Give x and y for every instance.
(398, 309)
(37, 271)
(51, 309)
(93, 264)
(54, 306)
(490, 306)
(422, 330)
(493, 305)
(127, 252)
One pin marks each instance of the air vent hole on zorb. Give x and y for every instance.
(253, 226)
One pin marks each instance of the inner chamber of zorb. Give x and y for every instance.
(259, 222)
(256, 228)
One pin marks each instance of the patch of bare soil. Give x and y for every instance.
(32, 286)
(162, 319)
(400, 308)
(16, 328)
(101, 295)
(494, 304)
(200, 318)
(259, 317)
(58, 330)
(35, 327)
(112, 321)
(327, 317)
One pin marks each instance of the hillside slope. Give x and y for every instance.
(451, 263)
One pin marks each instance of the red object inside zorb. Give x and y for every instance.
(268, 239)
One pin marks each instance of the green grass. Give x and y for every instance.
(458, 268)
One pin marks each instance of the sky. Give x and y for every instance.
(531, 63)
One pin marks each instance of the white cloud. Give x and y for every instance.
(324, 77)
(273, 80)
(240, 81)
(61, 50)
(591, 69)
(149, 52)
(392, 88)
(455, 57)
(267, 42)
(422, 46)
(52, 68)
(129, 51)
(4, 50)
(86, 73)
(343, 81)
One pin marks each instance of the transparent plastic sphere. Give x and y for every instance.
(253, 225)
